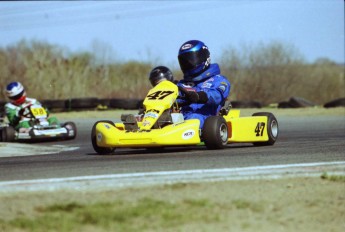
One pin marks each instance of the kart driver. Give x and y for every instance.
(14, 109)
(157, 75)
(203, 87)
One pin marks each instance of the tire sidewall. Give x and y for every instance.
(211, 132)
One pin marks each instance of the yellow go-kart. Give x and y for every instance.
(160, 126)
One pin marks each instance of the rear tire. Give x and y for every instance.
(272, 129)
(215, 132)
(100, 150)
(8, 134)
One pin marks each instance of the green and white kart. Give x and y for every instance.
(40, 129)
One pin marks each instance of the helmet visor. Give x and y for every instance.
(191, 60)
(156, 80)
(18, 96)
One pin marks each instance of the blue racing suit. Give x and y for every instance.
(217, 89)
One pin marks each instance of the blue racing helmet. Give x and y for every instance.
(194, 58)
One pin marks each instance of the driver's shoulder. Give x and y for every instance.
(9, 105)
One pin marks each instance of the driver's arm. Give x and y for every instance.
(12, 114)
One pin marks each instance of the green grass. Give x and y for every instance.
(335, 178)
(292, 204)
(146, 213)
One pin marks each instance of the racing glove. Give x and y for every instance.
(196, 97)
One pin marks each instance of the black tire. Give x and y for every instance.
(246, 104)
(284, 105)
(100, 150)
(8, 134)
(215, 132)
(54, 105)
(272, 129)
(81, 103)
(298, 102)
(340, 102)
(74, 128)
(155, 149)
(127, 104)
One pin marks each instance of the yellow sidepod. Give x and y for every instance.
(247, 129)
(186, 133)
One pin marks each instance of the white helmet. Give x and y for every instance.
(16, 92)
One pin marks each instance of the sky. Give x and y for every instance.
(154, 30)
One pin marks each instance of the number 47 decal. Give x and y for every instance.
(259, 129)
(159, 95)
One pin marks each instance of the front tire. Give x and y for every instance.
(100, 150)
(215, 132)
(71, 130)
(272, 129)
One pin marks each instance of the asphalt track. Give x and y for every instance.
(302, 140)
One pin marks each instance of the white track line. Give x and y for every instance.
(135, 179)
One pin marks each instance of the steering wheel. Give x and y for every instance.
(25, 111)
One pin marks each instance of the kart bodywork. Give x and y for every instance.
(162, 127)
(40, 129)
